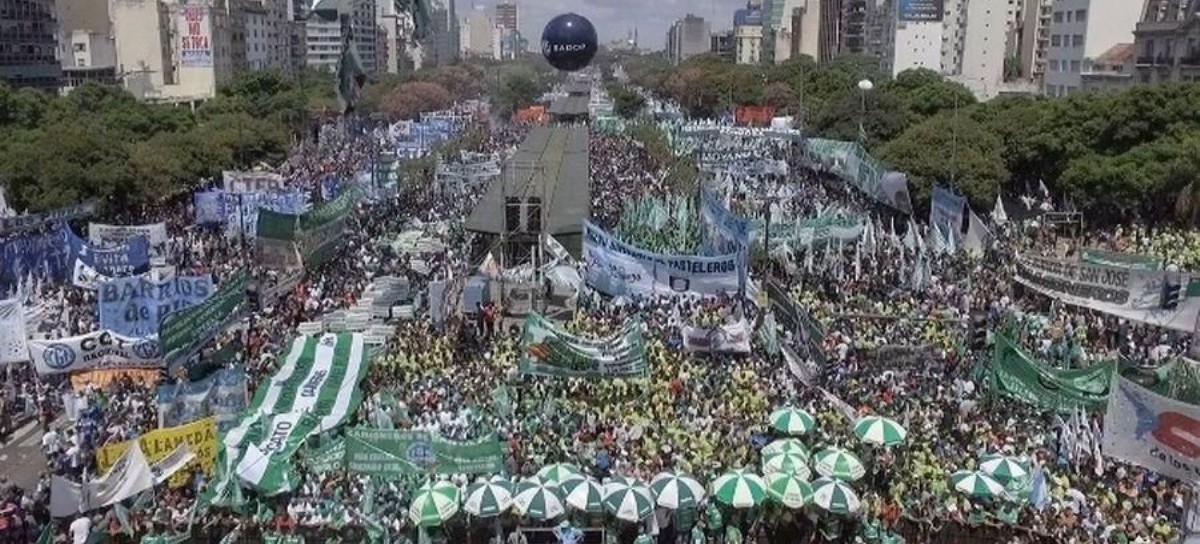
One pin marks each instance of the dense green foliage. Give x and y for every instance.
(512, 86)
(1116, 156)
(101, 143)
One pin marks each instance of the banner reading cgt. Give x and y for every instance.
(100, 348)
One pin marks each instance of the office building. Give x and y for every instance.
(258, 42)
(506, 16)
(748, 35)
(324, 36)
(989, 37)
(790, 28)
(909, 41)
(91, 57)
(1035, 39)
(29, 44)
(1167, 42)
(477, 34)
(724, 45)
(1080, 31)
(688, 37)
(169, 52)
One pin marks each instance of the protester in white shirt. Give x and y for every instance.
(81, 528)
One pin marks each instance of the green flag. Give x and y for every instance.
(47, 536)
(549, 351)
(1016, 375)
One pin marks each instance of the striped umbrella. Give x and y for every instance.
(788, 490)
(880, 431)
(675, 491)
(792, 421)
(538, 499)
(839, 463)
(558, 472)
(739, 489)
(976, 483)
(433, 504)
(1003, 468)
(788, 463)
(628, 500)
(835, 496)
(486, 499)
(787, 445)
(584, 495)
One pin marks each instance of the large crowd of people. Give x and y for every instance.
(888, 348)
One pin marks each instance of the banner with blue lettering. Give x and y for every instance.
(92, 265)
(946, 210)
(620, 269)
(135, 306)
(724, 232)
(45, 256)
(222, 395)
(241, 209)
(209, 206)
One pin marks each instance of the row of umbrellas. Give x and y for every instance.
(789, 455)
(876, 430)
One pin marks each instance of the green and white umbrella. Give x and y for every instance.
(976, 483)
(788, 490)
(1003, 468)
(838, 463)
(739, 489)
(673, 490)
(787, 445)
(584, 494)
(628, 500)
(792, 421)
(486, 499)
(433, 504)
(787, 463)
(878, 430)
(558, 472)
(538, 499)
(835, 496)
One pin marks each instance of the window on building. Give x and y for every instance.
(1053, 65)
(80, 47)
(1058, 16)
(1074, 67)
(1077, 40)
(1080, 15)
(1055, 40)
(1068, 16)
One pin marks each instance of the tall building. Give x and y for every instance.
(28, 44)
(1035, 39)
(1167, 41)
(748, 35)
(988, 41)
(477, 34)
(724, 45)
(1080, 31)
(443, 44)
(506, 16)
(688, 37)
(258, 40)
(790, 28)
(87, 51)
(910, 39)
(325, 36)
(169, 52)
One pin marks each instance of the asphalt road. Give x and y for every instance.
(21, 459)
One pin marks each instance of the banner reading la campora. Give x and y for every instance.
(200, 436)
(620, 269)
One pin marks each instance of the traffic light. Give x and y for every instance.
(1171, 293)
(978, 330)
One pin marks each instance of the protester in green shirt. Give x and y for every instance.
(733, 535)
(698, 534)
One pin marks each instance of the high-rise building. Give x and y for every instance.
(506, 16)
(29, 43)
(724, 45)
(169, 52)
(325, 36)
(909, 40)
(87, 51)
(688, 37)
(258, 38)
(443, 44)
(987, 44)
(748, 35)
(1167, 42)
(790, 28)
(477, 34)
(1080, 31)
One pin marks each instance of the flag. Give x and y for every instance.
(999, 216)
(350, 75)
(47, 536)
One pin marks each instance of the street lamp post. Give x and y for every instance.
(864, 86)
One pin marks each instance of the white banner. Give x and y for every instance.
(130, 475)
(1149, 430)
(727, 338)
(1121, 291)
(95, 349)
(616, 268)
(251, 182)
(119, 235)
(13, 339)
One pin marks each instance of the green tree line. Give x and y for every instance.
(1116, 156)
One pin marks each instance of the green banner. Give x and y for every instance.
(547, 350)
(391, 453)
(1016, 375)
(1123, 260)
(327, 458)
(321, 229)
(275, 226)
(200, 323)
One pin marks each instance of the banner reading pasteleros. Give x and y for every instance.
(620, 269)
(550, 351)
(200, 436)
(393, 452)
(1017, 376)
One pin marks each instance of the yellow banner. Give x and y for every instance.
(102, 378)
(200, 435)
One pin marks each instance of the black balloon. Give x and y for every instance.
(569, 42)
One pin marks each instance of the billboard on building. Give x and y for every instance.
(195, 36)
(748, 17)
(922, 11)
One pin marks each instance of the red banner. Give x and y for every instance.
(754, 115)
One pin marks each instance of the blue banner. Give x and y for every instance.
(620, 269)
(45, 256)
(240, 210)
(93, 264)
(209, 206)
(222, 395)
(946, 211)
(135, 306)
(725, 232)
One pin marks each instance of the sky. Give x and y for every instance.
(614, 18)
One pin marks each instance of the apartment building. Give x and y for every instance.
(1080, 31)
(325, 35)
(748, 35)
(688, 37)
(1167, 42)
(29, 44)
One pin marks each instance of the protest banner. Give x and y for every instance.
(392, 453)
(251, 182)
(1152, 431)
(322, 227)
(1015, 375)
(725, 232)
(726, 338)
(90, 265)
(222, 396)
(946, 210)
(102, 235)
(136, 306)
(549, 351)
(200, 436)
(1120, 260)
(14, 347)
(328, 458)
(200, 323)
(102, 377)
(617, 269)
(91, 350)
(43, 256)
(33, 220)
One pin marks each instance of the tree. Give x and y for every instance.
(517, 90)
(948, 150)
(410, 99)
(626, 103)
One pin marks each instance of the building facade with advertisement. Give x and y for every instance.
(920, 11)
(175, 53)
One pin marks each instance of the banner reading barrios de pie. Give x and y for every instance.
(549, 351)
(200, 436)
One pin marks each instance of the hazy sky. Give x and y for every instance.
(613, 18)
